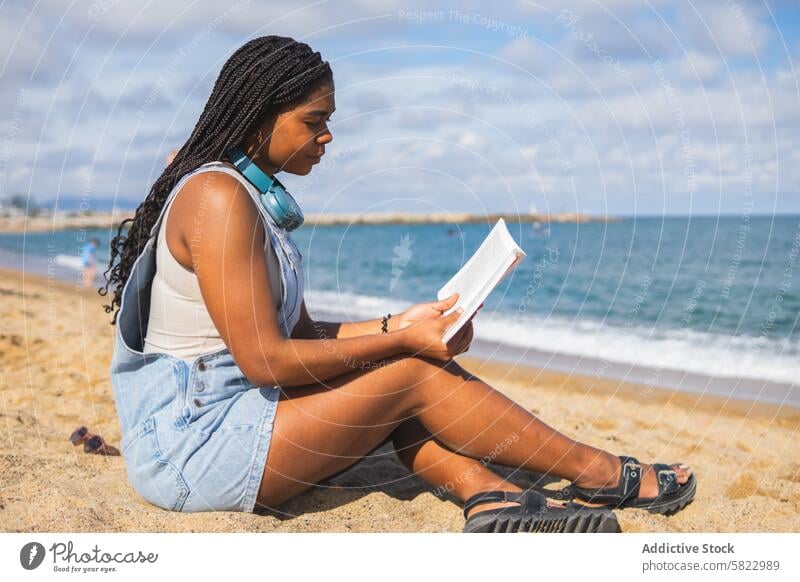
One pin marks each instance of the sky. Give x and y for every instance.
(624, 107)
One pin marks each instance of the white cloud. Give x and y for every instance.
(569, 131)
(532, 56)
(699, 66)
(729, 29)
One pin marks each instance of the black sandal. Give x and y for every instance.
(533, 515)
(672, 496)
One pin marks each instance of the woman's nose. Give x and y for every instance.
(325, 137)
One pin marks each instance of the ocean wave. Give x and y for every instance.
(711, 354)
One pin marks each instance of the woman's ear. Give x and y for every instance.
(259, 140)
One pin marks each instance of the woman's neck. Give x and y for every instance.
(264, 165)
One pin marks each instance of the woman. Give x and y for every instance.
(231, 398)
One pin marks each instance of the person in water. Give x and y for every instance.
(231, 397)
(89, 262)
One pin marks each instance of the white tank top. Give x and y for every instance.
(179, 323)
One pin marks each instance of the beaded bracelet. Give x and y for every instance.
(385, 323)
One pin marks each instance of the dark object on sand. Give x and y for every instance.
(92, 443)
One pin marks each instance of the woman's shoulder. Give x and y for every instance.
(217, 185)
(212, 196)
(216, 177)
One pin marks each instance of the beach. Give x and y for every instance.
(55, 351)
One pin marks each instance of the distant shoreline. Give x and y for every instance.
(109, 220)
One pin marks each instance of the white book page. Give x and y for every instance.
(497, 256)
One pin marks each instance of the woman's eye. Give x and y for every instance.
(312, 123)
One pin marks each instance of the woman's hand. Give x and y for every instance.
(424, 335)
(429, 310)
(423, 311)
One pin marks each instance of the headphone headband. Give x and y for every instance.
(280, 205)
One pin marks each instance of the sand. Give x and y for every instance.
(55, 351)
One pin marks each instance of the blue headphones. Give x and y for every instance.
(274, 198)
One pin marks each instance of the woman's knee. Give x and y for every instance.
(401, 379)
(413, 379)
(424, 377)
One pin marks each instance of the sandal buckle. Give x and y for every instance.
(667, 481)
(630, 479)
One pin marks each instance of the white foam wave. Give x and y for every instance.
(687, 350)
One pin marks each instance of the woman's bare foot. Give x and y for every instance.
(605, 472)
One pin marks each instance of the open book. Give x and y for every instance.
(497, 256)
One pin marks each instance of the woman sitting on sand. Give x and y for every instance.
(230, 397)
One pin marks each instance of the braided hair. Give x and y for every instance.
(262, 75)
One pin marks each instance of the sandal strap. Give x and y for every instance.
(530, 501)
(667, 479)
(628, 487)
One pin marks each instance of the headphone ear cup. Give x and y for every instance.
(268, 202)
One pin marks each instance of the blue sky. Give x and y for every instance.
(625, 107)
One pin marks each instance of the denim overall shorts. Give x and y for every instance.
(195, 437)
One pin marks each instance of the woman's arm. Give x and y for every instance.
(224, 234)
(308, 328)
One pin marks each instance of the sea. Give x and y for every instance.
(698, 304)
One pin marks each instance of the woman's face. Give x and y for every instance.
(295, 139)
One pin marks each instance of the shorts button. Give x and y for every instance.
(197, 402)
(201, 366)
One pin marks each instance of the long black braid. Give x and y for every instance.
(265, 73)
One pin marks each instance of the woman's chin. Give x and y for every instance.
(300, 170)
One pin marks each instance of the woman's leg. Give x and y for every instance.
(449, 471)
(321, 429)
